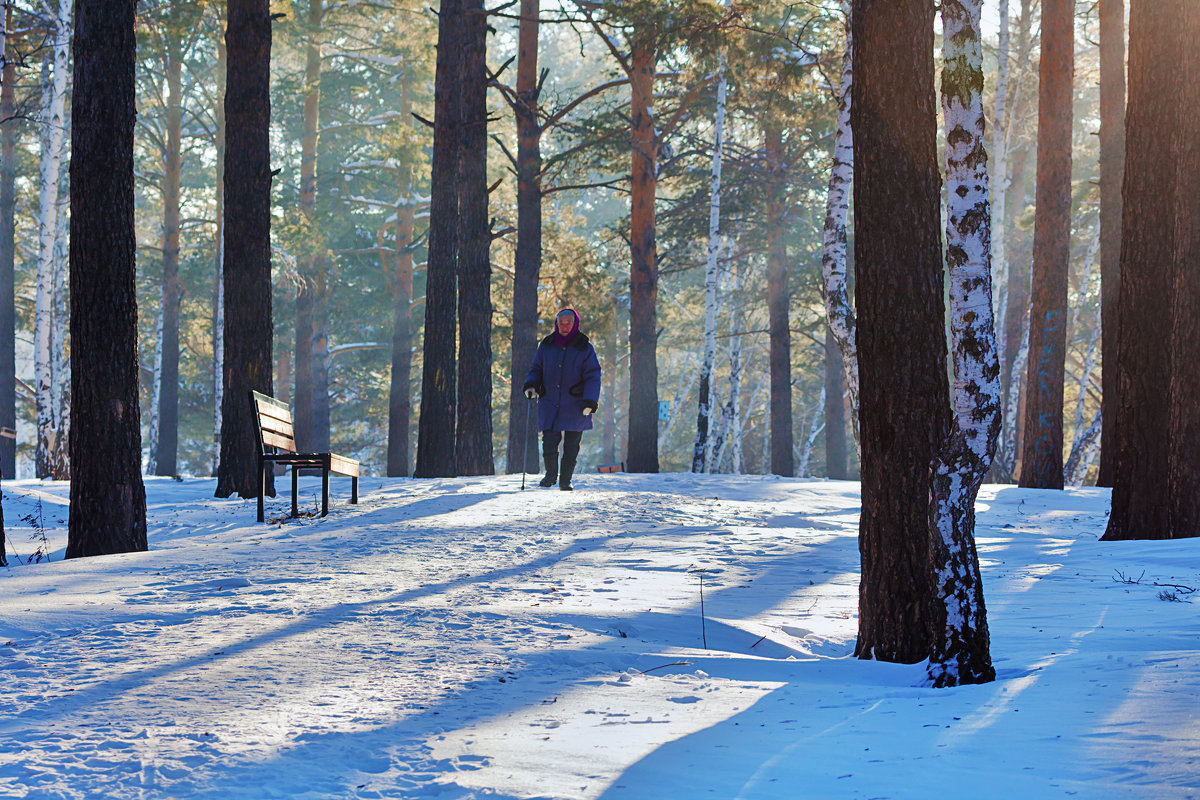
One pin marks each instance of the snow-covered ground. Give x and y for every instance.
(462, 638)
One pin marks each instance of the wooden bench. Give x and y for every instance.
(277, 445)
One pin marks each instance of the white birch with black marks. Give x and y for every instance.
(960, 651)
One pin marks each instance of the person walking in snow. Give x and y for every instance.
(565, 377)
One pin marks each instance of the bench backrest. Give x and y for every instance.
(274, 424)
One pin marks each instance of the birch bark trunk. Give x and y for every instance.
(834, 286)
(960, 651)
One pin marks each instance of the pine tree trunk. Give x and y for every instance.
(901, 338)
(172, 290)
(435, 426)
(307, 293)
(399, 393)
(834, 273)
(782, 458)
(473, 447)
(1141, 501)
(248, 329)
(527, 264)
(1112, 172)
(8, 173)
(1184, 434)
(961, 652)
(1042, 447)
(702, 449)
(108, 500)
(643, 268)
(835, 412)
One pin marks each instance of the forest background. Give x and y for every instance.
(368, 214)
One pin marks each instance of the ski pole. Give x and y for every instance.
(525, 453)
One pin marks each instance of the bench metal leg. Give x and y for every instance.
(325, 492)
(262, 488)
(354, 490)
(295, 490)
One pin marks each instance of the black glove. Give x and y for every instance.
(589, 407)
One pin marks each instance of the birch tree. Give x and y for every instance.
(960, 651)
(834, 287)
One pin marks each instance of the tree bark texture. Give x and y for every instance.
(1042, 446)
(782, 456)
(1140, 495)
(172, 289)
(904, 399)
(248, 329)
(1183, 484)
(303, 386)
(218, 316)
(108, 499)
(527, 263)
(1112, 173)
(834, 271)
(8, 174)
(435, 426)
(643, 267)
(399, 391)
(473, 445)
(835, 412)
(961, 651)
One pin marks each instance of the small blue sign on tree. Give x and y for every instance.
(664, 410)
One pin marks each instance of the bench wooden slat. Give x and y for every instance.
(343, 466)
(270, 439)
(277, 426)
(272, 412)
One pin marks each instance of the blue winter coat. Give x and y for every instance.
(568, 378)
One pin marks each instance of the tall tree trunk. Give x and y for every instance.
(8, 318)
(834, 272)
(1183, 467)
(172, 289)
(782, 457)
(643, 267)
(961, 651)
(218, 317)
(248, 329)
(998, 186)
(473, 446)
(1042, 448)
(702, 450)
(1141, 501)
(1112, 172)
(399, 392)
(835, 412)
(901, 336)
(108, 500)
(308, 293)
(528, 261)
(435, 426)
(53, 126)
(60, 458)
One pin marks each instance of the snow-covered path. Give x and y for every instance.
(461, 638)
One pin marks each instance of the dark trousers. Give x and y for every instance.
(570, 442)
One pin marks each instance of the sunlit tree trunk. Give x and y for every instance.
(108, 500)
(522, 436)
(643, 269)
(904, 407)
(960, 651)
(1042, 446)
